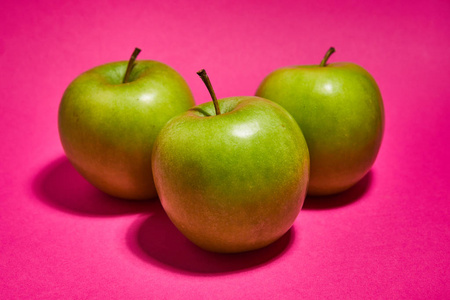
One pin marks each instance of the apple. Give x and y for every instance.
(109, 118)
(231, 174)
(339, 109)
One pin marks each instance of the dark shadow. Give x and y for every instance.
(201, 111)
(156, 240)
(345, 198)
(60, 186)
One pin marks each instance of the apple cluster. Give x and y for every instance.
(231, 174)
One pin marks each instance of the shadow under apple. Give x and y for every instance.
(156, 240)
(60, 186)
(345, 198)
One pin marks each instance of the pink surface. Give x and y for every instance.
(388, 237)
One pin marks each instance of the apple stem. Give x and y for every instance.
(205, 78)
(327, 56)
(131, 64)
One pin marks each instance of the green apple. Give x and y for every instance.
(109, 121)
(340, 112)
(232, 174)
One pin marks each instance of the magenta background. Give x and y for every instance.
(388, 237)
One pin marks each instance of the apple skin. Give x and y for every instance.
(340, 112)
(232, 182)
(107, 128)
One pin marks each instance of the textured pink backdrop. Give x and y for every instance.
(388, 237)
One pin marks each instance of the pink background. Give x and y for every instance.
(388, 237)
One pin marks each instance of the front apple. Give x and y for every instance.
(108, 124)
(233, 181)
(340, 111)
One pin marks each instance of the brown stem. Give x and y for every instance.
(205, 78)
(327, 56)
(131, 64)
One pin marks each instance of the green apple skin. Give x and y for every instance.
(232, 182)
(340, 112)
(107, 128)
